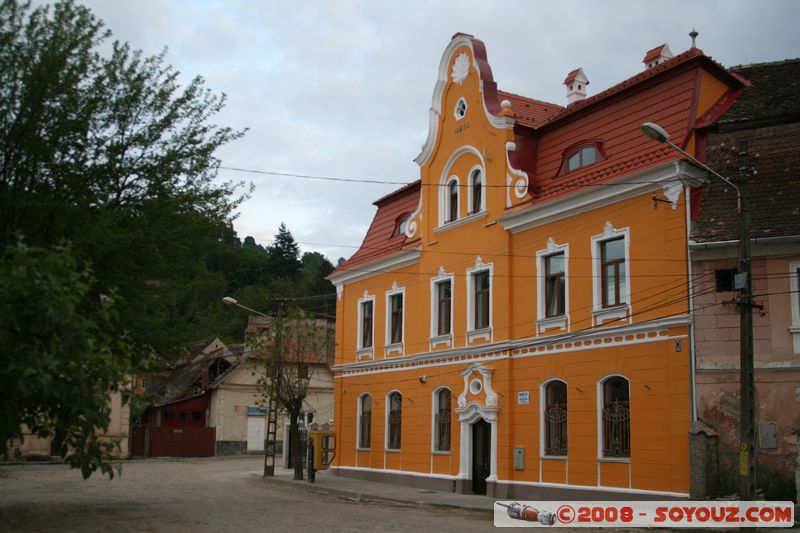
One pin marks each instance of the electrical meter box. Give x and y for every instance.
(324, 448)
(519, 458)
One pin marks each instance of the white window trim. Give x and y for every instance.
(368, 351)
(600, 401)
(483, 333)
(387, 410)
(542, 407)
(543, 323)
(470, 188)
(359, 412)
(794, 286)
(436, 339)
(397, 347)
(455, 109)
(599, 314)
(434, 410)
(444, 202)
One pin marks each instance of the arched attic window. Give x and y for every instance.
(452, 201)
(400, 224)
(476, 184)
(581, 154)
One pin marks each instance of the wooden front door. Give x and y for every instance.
(481, 451)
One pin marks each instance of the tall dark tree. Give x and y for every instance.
(284, 254)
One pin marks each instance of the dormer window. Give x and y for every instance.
(582, 155)
(461, 109)
(400, 225)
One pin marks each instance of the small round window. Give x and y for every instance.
(461, 109)
(475, 386)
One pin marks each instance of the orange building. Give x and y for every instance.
(517, 321)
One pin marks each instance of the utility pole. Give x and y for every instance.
(747, 426)
(276, 368)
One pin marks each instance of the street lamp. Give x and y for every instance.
(232, 301)
(272, 409)
(747, 424)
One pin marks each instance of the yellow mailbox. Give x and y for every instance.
(324, 448)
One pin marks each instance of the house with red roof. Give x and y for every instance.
(517, 322)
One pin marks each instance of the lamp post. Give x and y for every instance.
(747, 423)
(273, 370)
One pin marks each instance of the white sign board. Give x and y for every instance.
(523, 397)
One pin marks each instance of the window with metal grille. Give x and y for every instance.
(395, 420)
(364, 421)
(442, 421)
(555, 419)
(555, 284)
(481, 301)
(396, 303)
(612, 272)
(616, 416)
(366, 324)
(443, 307)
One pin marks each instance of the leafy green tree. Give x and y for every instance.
(110, 152)
(62, 353)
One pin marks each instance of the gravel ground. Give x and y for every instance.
(213, 494)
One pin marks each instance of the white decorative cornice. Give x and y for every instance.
(460, 68)
(381, 266)
(609, 336)
(627, 186)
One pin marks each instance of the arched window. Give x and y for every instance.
(581, 154)
(394, 421)
(477, 191)
(452, 201)
(616, 417)
(364, 421)
(441, 413)
(555, 418)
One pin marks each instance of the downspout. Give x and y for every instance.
(690, 276)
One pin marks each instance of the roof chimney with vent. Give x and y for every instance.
(576, 83)
(656, 56)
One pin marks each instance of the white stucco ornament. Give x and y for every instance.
(460, 68)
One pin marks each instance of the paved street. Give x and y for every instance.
(214, 494)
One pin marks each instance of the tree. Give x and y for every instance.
(284, 255)
(62, 353)
(291, 349)
(110, 152)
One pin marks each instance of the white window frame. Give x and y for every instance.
(397, 347)
(434, 411)
(444, 202)
(620, 312)
(365, 351)
(435, 339)
(470, 189)
(455, 109)
(543, 323)
(542, 408)
(601, 400)
(483, 333)
(388, 409)
(794, 286)
(359, 412)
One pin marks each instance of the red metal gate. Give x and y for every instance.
(181, 442)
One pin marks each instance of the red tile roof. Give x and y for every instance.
(654, 53)
(380, 241)
(571, 76)
(529, 112)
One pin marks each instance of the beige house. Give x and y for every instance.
(31, 445)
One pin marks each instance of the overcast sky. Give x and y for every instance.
(343, 88)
